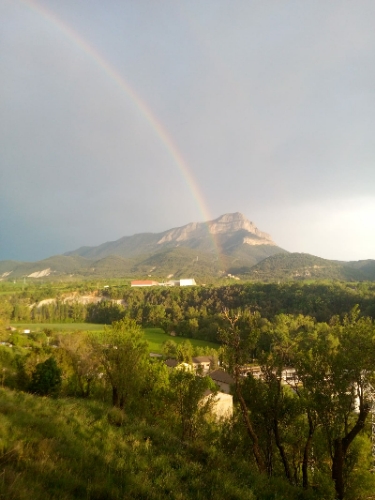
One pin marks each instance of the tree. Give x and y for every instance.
(335, 365)
(239, 335)
(184, 351)
(83, 361)
(122, 352)
(46, 379)
(186, 397)
(352, 370)
(170, 349)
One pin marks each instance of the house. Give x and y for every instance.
(222, 407)
(289, 376)
(182, 282)
(223, 380)
(255, 371)
(179, 365)
(188, 282)
(171, 283)
(201, 364)
(171, 363)
(143, 283)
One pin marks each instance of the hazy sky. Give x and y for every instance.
(130, 116)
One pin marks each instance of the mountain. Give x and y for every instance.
(228, 245)
(224, 235)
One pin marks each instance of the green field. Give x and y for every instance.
(60, 327)
(154, 336)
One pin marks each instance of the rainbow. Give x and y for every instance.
(155, 124)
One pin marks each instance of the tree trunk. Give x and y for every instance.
(340, 450)
(269, 453)
(283, 456)
(338, 467)
(121, 402)
(254, 438)
(115, 396)
(88, 388)
(306, 453)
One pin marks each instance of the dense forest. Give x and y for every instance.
(116, 423)
(188, 311)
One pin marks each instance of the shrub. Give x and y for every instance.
(46, 379)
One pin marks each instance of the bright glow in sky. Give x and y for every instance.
(127, 117)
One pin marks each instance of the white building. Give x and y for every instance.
(187, 282)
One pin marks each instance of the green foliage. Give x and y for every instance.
(104, 312)
(333, 365)
(77, 352)
(68, 449)
(46, 379)
(122, 352)
(186, 396)
(308, 437)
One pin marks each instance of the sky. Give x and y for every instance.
(124, 117)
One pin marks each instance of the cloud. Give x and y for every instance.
(270, 104)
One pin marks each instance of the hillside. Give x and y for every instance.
(67, 448)
(301, 266)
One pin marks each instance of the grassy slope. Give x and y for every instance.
(66, 449)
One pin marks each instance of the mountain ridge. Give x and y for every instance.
(212, 236)
(228, 246)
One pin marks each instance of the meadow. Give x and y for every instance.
(154, 336)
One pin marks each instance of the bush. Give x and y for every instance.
(46, 379)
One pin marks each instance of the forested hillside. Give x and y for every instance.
(188, 311)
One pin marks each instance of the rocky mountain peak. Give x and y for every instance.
(226, 224)
(229, 223)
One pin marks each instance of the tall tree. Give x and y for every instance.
(123, 352)
(82, 359)
(186, 397)
(335, 365)
(239, 335)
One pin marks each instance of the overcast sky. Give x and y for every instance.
(122, 117)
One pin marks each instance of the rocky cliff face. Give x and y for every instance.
(227, 224)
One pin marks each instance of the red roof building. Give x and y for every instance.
(143, 283)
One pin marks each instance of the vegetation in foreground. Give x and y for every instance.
(302, 437)
(74, 449)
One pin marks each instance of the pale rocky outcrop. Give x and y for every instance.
(226, 224)
(40, 274)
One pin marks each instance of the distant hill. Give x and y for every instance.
(228, 245)
(302, 266)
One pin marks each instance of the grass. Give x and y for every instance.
(60, 327)
(67, 449)
(154, 336)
